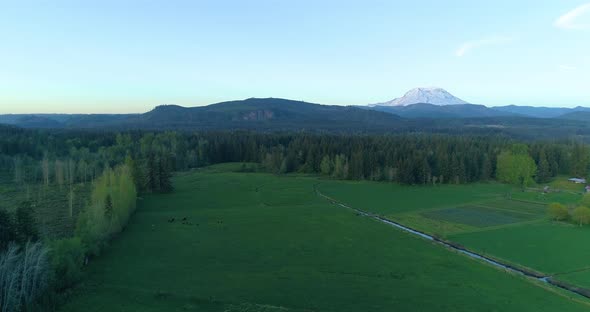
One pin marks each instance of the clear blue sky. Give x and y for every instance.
(129, 56)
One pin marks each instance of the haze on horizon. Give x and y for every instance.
(129, 56)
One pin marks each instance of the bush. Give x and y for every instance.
(581, 215)
(67, 259)
(585, 200)
(557, 212)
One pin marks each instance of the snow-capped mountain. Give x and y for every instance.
(435, 96)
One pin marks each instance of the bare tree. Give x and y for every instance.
(23, 275)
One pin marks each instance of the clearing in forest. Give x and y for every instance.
(258, 242)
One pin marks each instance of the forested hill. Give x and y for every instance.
(579, 116)
(425, 110)
(264, 114)
(253, 114)
(282, 115)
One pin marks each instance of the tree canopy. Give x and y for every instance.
(516, 167)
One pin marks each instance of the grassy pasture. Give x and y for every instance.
(489, 213)
(518, 206)
(390, 199)
(256, 242)
(562, 183)
(579, 278)
(479, 216)
(564, 197)
(547, 247)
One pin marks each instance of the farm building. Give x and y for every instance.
(577, 180)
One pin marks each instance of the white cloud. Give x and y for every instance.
(470, 45)
(578, 18)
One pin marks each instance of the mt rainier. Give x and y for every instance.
(434, 96)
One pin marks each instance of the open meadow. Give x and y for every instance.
(228, 241)
(491, 219)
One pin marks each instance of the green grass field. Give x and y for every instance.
(256, 242)
(579, 278)
(564, 197)
(490, 213)
(478, 216)
(562, 183)
(547, 247)
(390, 199)
(504, 223)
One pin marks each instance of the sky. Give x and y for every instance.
(129, 56)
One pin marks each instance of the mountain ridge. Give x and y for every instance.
(426, 110)
(249, 114)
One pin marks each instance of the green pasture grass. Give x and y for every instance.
(389, 198)
(547, 247)
(257, 242)
(478, 216)
(437, 227)
(562, 183)
(518, 206)
(470, 218)
(564, 197)
(579, 278)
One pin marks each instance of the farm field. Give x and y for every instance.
(509, 225)
(389, 199)
(579, 278)
(274, 245)
(548, 247)
(445, 209)
(480, 216)
(564, 196)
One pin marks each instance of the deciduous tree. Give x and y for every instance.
(557, 212)
(516, 167)
(581, 215)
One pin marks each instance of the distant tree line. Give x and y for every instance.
(62, 158)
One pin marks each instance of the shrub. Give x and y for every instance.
(581, 215)
(67, 259)
(557, 212)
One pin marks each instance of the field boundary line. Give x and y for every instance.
(572, 271)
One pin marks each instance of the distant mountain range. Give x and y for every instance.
(427, 110)
(257, 114)
(540, 112)
(438, 103)
(446, 114)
